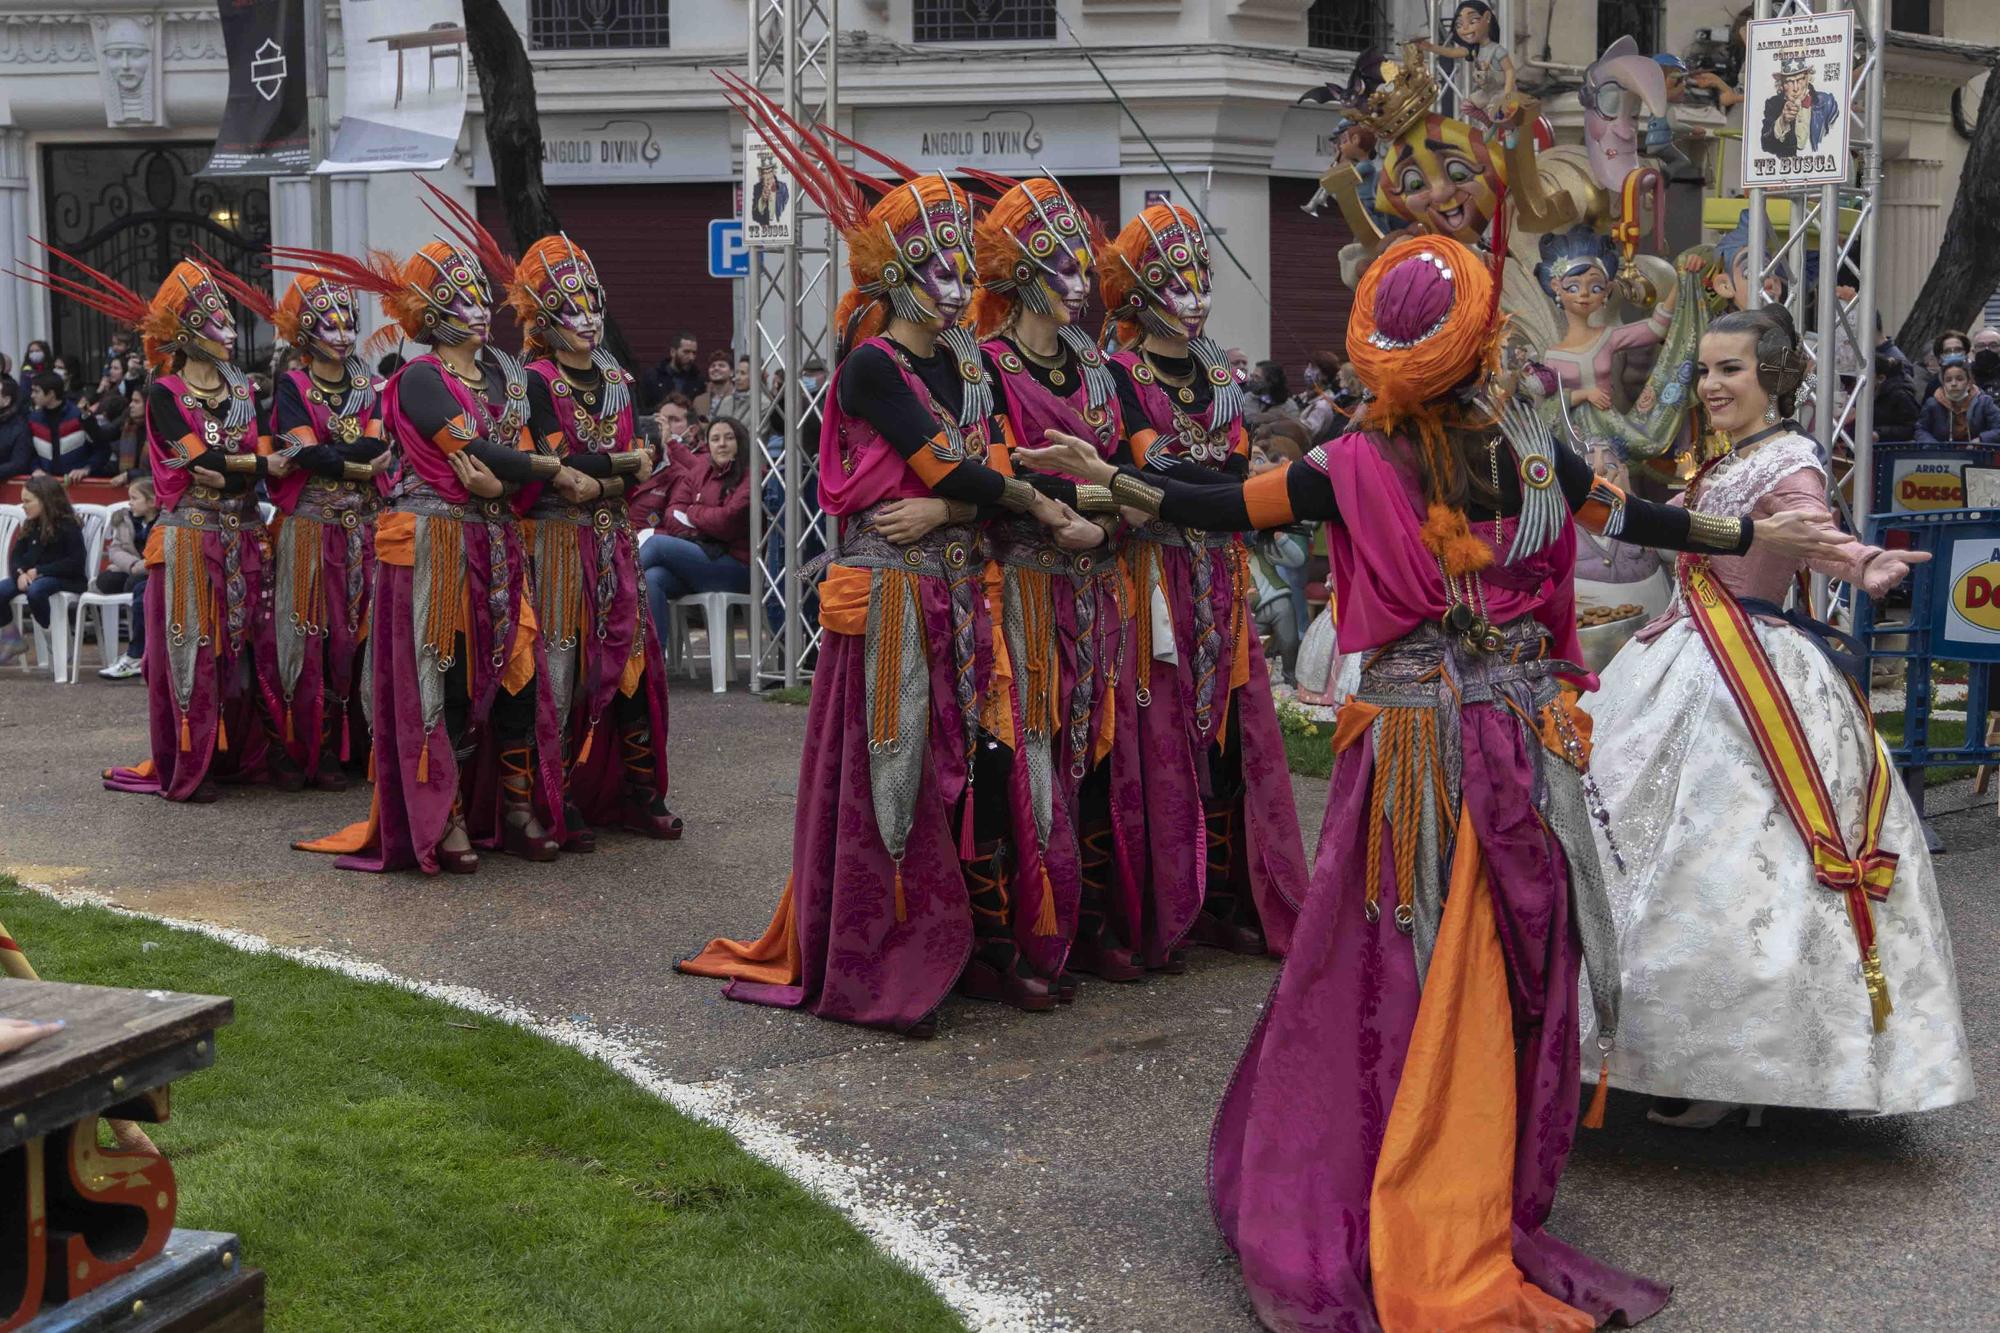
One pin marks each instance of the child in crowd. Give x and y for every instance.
(46, 558)
(125, 571)
(1960, 411)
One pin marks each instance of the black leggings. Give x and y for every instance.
(512, 718)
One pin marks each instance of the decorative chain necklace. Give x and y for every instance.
(475, 379)
(1182, 385)
(1465, 594)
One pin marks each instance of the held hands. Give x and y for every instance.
(208, 477)
(1068, 454)
(1800, 534)
(1071, 530)
(1889, 568)
(903, 522)
(575, 487)
(381, 462)
(277, 465)
(474, 476)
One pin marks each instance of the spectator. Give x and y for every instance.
(119, 351)
(712, 401)
(1266, 386)
(64, 371)
(743, 377)
(47, 558)
(125, 571)
(1239, 363)
(1321, 414)
(1952, 342)
(702, 542)
(62, 445)
(1896, 405)
(17, 442)
(129, 448)
(675, 420)
(389, 364)
(1986, 359)
(134, 383)
(1960, 411)
(1274, 553)
(1723, 83)
(34, 362)
(677, 371)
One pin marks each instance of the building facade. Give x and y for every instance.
(107, 110)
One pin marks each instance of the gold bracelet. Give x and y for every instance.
(1713, 533)
(543, 466)
(610, 488)
(356, 472)
(240, 463)
(1017, 495)
(625, 462)
(1094, 499)
(1133, 493)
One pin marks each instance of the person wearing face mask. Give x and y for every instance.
(325, 418)
(1952, 342)
(606, 669)
(34, 362)
(1986, 360)
(210, 675)
(1323, 415)
(1958, 411)
(915, 831)
(1208, 728)
(468, 740)
(1780, 938)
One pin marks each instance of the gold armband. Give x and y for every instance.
(1017, 495)
(544, 466)
(1133, 493)
(960, 511)
(356, 472)
(240, 463)
(610, 488)
(623, 463)
(1711, 533)
(1094, 499)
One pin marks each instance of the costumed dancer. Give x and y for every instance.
(1760, 844)
(210, 678)
(915, 836)
(326, 421)
(1388, 1150)
(605, 667)
(1218, 792)
(467, 738)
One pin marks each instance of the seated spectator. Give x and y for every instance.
(35, 361)
(1896, 404)
(702, 542)
(676, 431)
(125, 571)
(1952, 342)
(128, 450)
(1986, 359)
(62, 446)
(1267, 388)
(47, 558)
(17, 443)
(1960, 411)
(71, 381)
(721, 373)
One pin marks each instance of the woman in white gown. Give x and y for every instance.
(1744, 980)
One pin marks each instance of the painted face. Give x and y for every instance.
(1728, 385)
(1172, 292)
(1439, 174)
(935, 262)
(328, 324)
(205, 319)
(572, 318)
(1583, 292)
(459, 298)
(1053, 272)
(721, 446)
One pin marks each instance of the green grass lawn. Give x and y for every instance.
(1308, 744)
(797, 695)
(393, 1162)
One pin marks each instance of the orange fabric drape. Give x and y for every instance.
(773, 959)
(843, 600)
(1440, 1233)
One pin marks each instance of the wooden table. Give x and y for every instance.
(87, 1238)
(400, 42)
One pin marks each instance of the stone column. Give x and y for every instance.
(23, 307)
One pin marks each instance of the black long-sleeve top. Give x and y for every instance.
(1308, 495)
(545, 423)
(166, 416)
(431, 408)
(292, 420)
(59, 556)
(17, 444)
(871, 387)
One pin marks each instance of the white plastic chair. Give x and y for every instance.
(52, 645)
(109, 606)
(715, 608)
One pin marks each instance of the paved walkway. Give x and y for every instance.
(1065, 1150)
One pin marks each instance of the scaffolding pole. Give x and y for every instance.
(792, 293)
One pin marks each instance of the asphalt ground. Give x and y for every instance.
(1064, 1152)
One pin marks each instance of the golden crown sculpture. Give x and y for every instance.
(1407, 91)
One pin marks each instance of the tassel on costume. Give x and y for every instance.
(901, 914)
(187, 740)
(291, 736)
(221, 733)
(1045, 919)
(1593, 1118)
(423, 763)
(1449, 537)
(583, 752)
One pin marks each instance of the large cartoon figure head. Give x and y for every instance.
(1620, 88)
(1441, 174)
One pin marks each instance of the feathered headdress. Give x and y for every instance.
(1162, 240)
(183, 303)
(1018, 237)
(554, 274)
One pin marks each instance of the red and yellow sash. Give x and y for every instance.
(1774, 725)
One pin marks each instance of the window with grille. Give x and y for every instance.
(983, 20)
(593, 25)
(1638, 19)
(1345, 25)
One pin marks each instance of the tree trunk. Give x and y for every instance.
(514, 137)
(1967, 269)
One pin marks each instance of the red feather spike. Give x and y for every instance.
(118, 308)
(472, 234)
(831, 184)
(363, 277)
(253, 299)
(111, 286)
(903, 169)
(1499, 252)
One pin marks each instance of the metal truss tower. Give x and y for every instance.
(1841, 332)
(793, 291)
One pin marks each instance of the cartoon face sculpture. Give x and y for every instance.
(1619, 88)
(931, 277)
(1171, 291)
(458, 300)
(1440, 174)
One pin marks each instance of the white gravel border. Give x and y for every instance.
(906, 1233)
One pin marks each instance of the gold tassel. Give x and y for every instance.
(423, 762)
(1045, 920)
(583, 754)
(291, 735)
(1594, 1117)
(187, 741)
(1878, 988)
(901, 914)
(221, 734)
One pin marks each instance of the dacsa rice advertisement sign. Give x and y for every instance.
(1917, 484)
(1972, 614)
